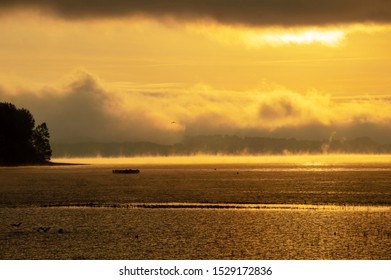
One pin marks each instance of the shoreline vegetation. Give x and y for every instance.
(46, 163)
(21, 140)
(234, 206)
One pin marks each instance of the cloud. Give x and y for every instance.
(78, 110)
(85, 109)
(253, 37)
(244, 12)
(88, 109)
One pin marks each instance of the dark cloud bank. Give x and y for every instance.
(246, 12)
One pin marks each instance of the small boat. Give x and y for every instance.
(126, 171)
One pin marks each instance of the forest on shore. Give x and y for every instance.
(21, 141)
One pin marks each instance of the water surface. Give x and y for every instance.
(197, 211)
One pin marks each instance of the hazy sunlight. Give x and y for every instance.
(308, 160)
(325, 37)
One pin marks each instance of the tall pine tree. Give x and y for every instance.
(40, 140)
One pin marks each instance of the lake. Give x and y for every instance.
(188, 208)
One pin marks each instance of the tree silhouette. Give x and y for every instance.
(20, 141)
(40, 140)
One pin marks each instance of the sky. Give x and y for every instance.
(158, 71)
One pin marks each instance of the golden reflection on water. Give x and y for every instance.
(304, 160)
(197, 212)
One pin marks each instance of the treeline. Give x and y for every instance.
(21, 142)
(218, 144)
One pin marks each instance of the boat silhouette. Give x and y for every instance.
(126, 171)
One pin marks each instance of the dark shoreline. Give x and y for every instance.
(47, 163)
(50, 163)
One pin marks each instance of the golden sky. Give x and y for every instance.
(124, 70)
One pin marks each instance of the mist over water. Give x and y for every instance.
(294, 160)
(189, 208)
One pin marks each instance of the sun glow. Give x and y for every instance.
(257, 37)
(329, 38)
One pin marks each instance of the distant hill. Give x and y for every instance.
(218, 144)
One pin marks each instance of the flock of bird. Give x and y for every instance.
(46, 229)
(40, 229)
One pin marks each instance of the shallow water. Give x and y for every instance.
(224, 211)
